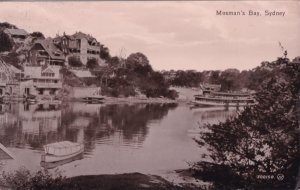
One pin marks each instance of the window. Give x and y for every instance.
(46, 74)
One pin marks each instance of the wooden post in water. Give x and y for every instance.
(7, 152)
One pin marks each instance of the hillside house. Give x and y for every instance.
(80, 45)
(18, 35)
(45, 52)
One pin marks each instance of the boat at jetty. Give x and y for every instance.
(94, 99)
(63, 150)
(229, 99)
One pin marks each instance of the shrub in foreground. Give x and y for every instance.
(23, 179)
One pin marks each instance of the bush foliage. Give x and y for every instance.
(135, 74)
(6, 43)
(262, 139)
(23, 179)
(74, 61)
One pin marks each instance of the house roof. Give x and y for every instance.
(7, 71)
(14, 69)
(51, 48)
(19, 32)
(80, 35)
(47, 70)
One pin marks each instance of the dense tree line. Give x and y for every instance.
(229, 79)
(127, 77)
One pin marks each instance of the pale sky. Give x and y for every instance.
(172, 34)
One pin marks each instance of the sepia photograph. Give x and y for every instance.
(150, 95)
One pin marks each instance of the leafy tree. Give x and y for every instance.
(188, 78)
(114, 61)
(256, 76)
(136, 59)
(262, 139)
(37, 35)
(5, 42)
(144, 70)
(74, 61)
(215, 77)
(92, 63)
(104, 53)
(4, 25)
(229, 79)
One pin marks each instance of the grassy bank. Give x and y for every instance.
(131, 181)
(43, 180)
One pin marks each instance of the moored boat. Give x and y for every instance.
(94, 99)
(59, 151)
(51, 165)
(236, 99)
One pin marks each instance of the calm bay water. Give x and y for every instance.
(121, 138)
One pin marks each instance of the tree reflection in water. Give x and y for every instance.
(128, 122)
(261, 145)
(37, 125)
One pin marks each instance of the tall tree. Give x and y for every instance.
(136, 59)
(229, 79)
(5, 42)
(92, 63)
(104, 53)
(37, 35)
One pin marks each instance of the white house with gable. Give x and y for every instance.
(45, 80)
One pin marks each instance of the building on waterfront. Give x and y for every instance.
(80, 45)
(9, 79)
(45, 52)
(296, 60)
(17, 35)
(41, 81)
(210, 87)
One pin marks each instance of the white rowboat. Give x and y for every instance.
(61, 150)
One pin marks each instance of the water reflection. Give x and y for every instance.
(29, 125)
(214, 115)
(36, 125)
(117, 138)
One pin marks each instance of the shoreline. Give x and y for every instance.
(131, 100)
(175, 180)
